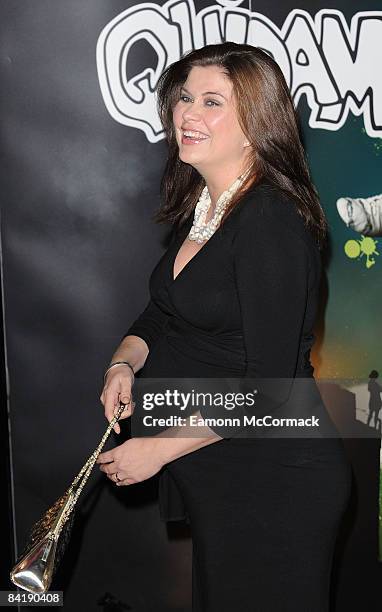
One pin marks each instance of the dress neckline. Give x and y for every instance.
(183, 232)
(179, 242)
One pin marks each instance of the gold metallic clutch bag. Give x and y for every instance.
(38, 562)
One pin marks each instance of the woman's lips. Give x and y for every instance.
(192, 141)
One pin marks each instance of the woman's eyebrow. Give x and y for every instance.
(215, 93)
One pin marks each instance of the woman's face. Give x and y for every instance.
(206, 106)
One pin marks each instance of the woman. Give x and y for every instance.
(235, 295)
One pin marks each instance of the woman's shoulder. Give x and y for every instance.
(266, 208)
(267, 201)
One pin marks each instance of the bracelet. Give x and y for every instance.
(115, 364)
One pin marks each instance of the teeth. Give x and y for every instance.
(194, 134)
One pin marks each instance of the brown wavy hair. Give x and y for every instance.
(268, 119)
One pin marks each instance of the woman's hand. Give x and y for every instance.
(117, 388)
(133, 461)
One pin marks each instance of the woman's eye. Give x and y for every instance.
(185, 98)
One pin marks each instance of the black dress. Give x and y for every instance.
(263, 512)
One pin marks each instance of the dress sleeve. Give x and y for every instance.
(149, 324)
(271, 268)
(271, 264)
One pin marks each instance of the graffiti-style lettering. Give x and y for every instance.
(333, 64)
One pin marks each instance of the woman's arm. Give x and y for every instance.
(141, 336)
(138, 340)
(134, 348)
(175, 442)
(149, 324)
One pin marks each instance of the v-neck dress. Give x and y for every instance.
(263, 512)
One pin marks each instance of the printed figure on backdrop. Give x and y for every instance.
(363, 215)
(235, 296)
(375, 401)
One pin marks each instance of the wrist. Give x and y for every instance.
(163, 449)
(116, 364)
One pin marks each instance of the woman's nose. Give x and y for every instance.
(192, 112)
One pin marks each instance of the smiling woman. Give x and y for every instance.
(208, 131)
(235, 296)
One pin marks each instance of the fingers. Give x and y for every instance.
(111, 474)
(129, 409)
(126, 396)
(122, 483)
(117, 390)
(111, 403)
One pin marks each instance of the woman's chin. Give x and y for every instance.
(186, 154)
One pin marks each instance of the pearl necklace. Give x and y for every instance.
(200, 230)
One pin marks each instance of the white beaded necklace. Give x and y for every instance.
(200, 230)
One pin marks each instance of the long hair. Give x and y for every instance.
(268, 119)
